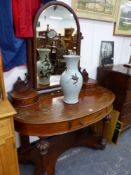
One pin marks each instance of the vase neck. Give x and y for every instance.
(43, 53)
(72, 62)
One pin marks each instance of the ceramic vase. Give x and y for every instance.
(71, 79)
(44, 66)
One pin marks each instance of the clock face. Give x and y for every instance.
(51, 34)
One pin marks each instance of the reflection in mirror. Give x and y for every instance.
(56, 35)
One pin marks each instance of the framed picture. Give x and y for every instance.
(106, 53)
(96, 9)
(123, 25)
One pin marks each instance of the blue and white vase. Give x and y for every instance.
(44, 66)
(71, 79)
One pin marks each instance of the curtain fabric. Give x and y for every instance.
(13, 49)
(16, 19)
(23, 15)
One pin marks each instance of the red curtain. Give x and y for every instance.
(23, 15)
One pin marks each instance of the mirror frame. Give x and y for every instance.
(34, 61)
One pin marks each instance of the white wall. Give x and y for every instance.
(93, 32)
(54, 24)
(11, 76)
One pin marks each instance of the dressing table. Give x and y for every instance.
(59, 126)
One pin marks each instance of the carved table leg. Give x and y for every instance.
(44, 153)
(25, 145)
(103, 140)
(24, 141)
(50, 169)
(43, 147)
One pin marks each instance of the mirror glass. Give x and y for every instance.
(56, 34)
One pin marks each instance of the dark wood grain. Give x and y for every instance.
(68, 124)
(117, 78)
(56, 117)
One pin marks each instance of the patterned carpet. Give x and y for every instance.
(114, 160)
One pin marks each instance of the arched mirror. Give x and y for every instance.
(56, 33)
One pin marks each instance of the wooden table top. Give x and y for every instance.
(52, 116)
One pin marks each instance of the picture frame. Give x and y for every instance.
(98, 11)
(122, 27)
(106, 53)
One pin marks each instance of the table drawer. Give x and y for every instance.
(5, 127)
(87, 120)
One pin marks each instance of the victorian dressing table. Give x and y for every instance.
(59, 126)
(52, 117)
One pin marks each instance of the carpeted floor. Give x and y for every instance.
(114, 160)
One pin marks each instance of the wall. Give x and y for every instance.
(93, 32)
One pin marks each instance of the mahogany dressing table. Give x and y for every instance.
(68, 124)
(59, 126)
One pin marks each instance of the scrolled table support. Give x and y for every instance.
(103, 141)
(62, 126)
(43, 147)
